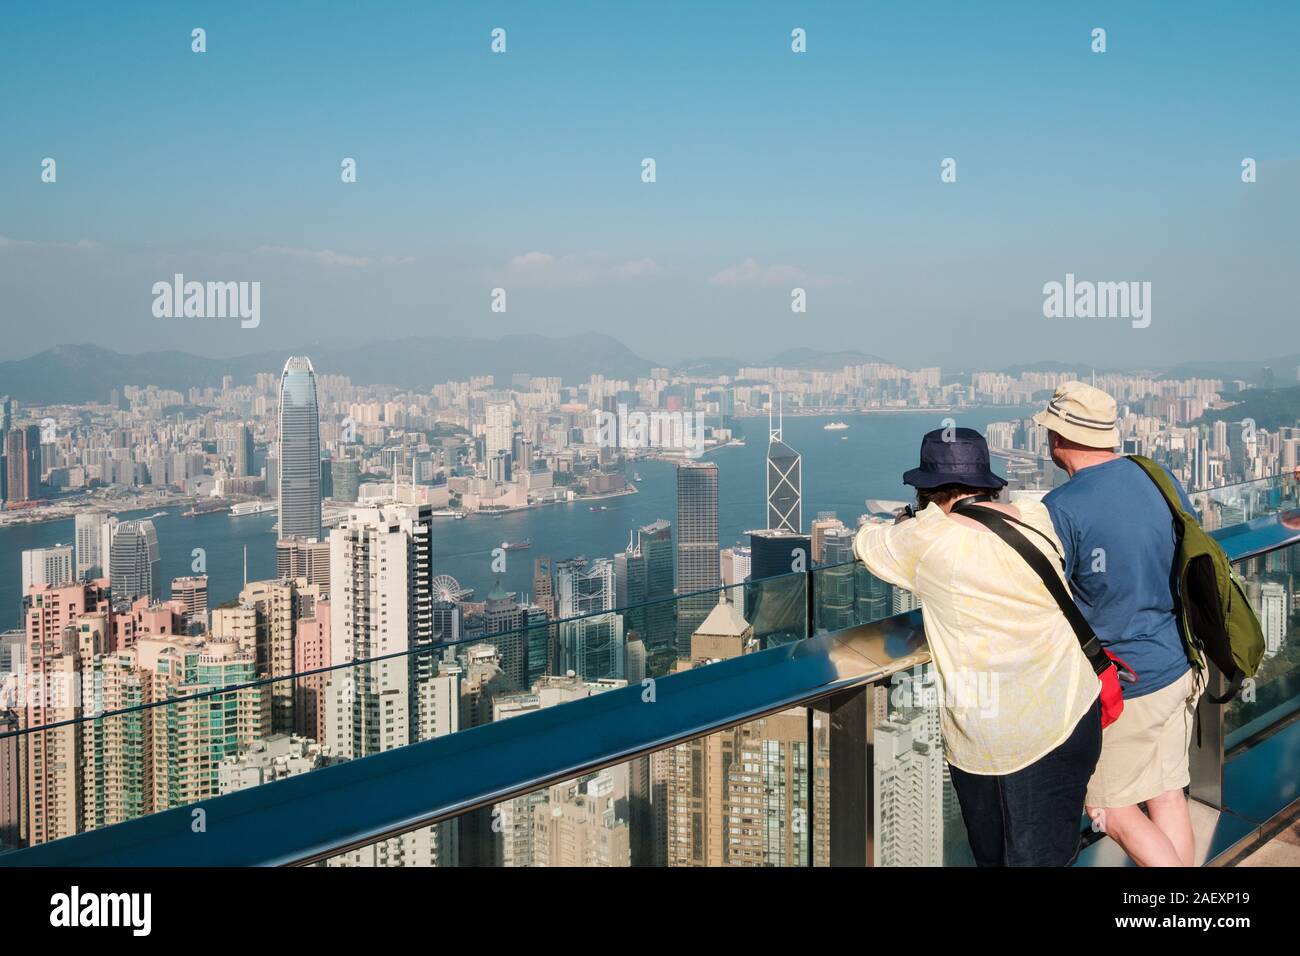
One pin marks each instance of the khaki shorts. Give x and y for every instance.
(1144, 753)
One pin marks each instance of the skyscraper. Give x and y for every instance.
(644, 580)
(134, 560)
(590, 645)
(299, 473)
(23, 463)
(242, 457)
(698, 554)
(90, 528)
(381, 604)
(784, 481)
(52, 566)
(499, 433)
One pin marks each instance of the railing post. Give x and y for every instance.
(1205, 757)
(850, 824)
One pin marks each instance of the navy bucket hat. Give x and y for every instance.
(953, 456)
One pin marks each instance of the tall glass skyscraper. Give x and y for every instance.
(133, 560)
(300, 496)
(699, 563)
(784, 482)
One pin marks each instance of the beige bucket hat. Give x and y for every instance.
(1083, 414)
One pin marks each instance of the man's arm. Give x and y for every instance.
(1064, 526)
(889, 551)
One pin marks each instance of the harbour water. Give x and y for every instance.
(841, 469)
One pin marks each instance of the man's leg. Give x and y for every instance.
(1169, 813)
(1044, 801)
(1139, 837)
(980, 798)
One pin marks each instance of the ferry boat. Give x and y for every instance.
(597, 508)
(252, 508)
(834, 426)
(637, 476)
(158, 514)
(518, 545)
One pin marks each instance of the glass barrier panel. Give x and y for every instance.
(739, 797)
(1237, 503)
(1274, 692)
(916, 819)
(95, 739)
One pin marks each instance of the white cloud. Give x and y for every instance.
(328, 257)
(748, 272)
(543, 268)
(8, 243)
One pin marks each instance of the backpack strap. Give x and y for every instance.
(1000, 525)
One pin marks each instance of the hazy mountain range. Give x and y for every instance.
(81, 373)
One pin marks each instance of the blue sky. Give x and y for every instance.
(774, 169)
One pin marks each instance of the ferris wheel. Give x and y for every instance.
(446, 588)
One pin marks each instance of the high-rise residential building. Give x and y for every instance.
(299, 468)
(190, 738)
(381, 605)
(277, 757)
(276, 605)
(302, 558)
(741, 797)
(1274, 615)
(311, 652)
(23, 463)
(585, 823)
(11, 795)
(784, 481)
(908, 776)
(133, 560)
(91, 530)
(115, 781)
(499, 432)
(193, 593)
(512, 836)
(66, 626)
(52, 566)
(697, 547)
(235, 624)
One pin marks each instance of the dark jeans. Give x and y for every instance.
(1032, 817)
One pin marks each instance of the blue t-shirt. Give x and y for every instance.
(1119, 552)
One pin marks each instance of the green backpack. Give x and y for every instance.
(1216, 617)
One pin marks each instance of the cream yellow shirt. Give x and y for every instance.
(1013, 679)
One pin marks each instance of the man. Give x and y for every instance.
(1119, 545)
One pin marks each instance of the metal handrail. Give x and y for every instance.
(316, 815)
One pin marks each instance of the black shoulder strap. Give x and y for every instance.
(1000, 525)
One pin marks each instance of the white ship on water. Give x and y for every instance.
(834, 426)
(252, 508)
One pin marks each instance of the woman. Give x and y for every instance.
(1020, 759)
